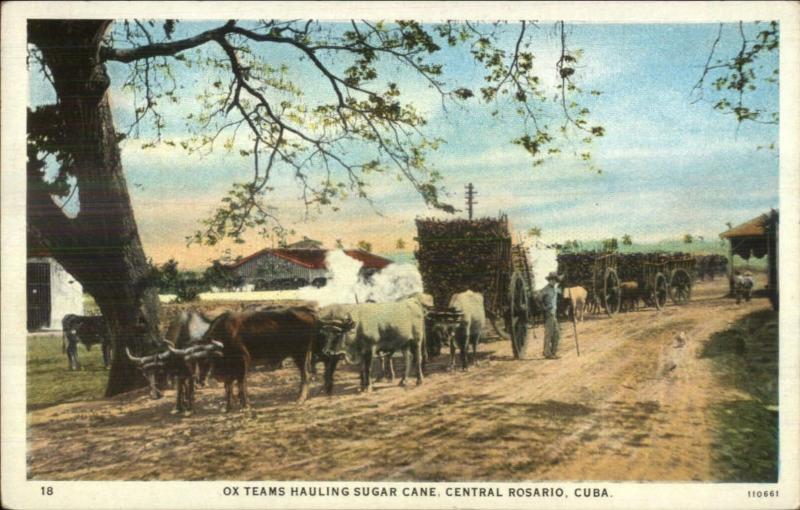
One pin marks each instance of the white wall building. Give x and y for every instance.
(52, 293)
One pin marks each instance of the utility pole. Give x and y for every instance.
(470, 197)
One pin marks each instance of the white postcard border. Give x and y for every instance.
(18, 492)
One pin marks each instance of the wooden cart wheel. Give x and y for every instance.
(680, 286)
(660, 291)
(612, 297)
(517, 320)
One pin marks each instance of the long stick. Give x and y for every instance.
(575, 329)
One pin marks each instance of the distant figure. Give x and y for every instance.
(743, 286)
(548, 296)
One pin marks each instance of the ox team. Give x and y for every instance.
(228, 345)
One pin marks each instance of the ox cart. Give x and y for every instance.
(660, 275)
(478, 255)
(597, 273)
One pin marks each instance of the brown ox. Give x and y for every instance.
(88, 330)
(629, 292)
(264, 337)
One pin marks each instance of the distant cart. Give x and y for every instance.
(660, 275)
(679, 275)
(478, 255)
(597, 273)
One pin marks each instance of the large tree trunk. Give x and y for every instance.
(100, 246)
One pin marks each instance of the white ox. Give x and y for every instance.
(381, 328)
(473, 316)
(577, 298)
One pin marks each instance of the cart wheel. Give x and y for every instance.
(517, 320)
(661, 291)
(680, 286)
(611, 292)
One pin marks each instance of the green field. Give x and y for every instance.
(695, 248)
(51, 382)
(746, 357)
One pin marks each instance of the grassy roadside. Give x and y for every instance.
(50, 381)
(745, 357)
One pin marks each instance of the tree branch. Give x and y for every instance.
(127, 55)
(706, 68)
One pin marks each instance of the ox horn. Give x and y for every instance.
(216, 349)
(178, 352)
(133, 358)
(163, 355)
(152, 365)
(200, 350)
(339, 324)
(343, 324)
(204, 355)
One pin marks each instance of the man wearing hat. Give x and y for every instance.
(549, 298)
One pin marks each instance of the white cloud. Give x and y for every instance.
(494, 156)
(697, 151)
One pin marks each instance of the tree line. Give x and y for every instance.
(187, 285)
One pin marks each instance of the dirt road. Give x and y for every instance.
(631, 407)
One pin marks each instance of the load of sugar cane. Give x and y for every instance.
(458, 255)
(578, 269)
(583, 268)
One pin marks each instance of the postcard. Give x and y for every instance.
(400, 255)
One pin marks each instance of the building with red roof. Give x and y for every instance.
(274, 268)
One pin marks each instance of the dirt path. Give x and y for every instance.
(631, 407)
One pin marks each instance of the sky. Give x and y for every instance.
(669, 166)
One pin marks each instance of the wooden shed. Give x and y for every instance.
(757, 238)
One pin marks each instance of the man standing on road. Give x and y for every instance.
(549, 298)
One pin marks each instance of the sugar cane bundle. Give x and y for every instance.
(458, 255)
(631, 266)
(636, 266)
(577, 268)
